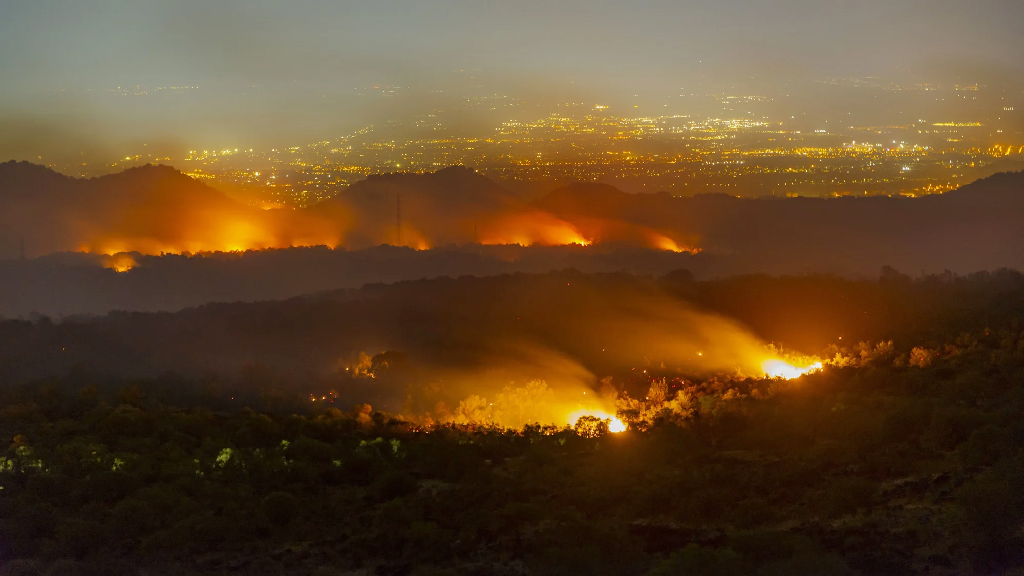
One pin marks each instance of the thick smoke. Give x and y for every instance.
(541, 345)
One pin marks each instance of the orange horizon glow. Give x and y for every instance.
(210, 232)
(152, 247)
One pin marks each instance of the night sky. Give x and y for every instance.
(281, 72)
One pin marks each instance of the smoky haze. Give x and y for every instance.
(139, 227)
(425, 342)
(83, 80)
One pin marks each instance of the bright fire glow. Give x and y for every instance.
(121, 262)
(775, 368)
(662, 242)
(618, 231)
(534, 227)
(614, 424)
(153, 246)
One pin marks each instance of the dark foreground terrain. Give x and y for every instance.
(870, 469)
(897, 458)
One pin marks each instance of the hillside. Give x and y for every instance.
(156, 209)
(149, 208)
(455, 205)
(975, 227)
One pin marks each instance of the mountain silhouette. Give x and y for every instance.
(472, 225)
(150, 209)
(975, 227)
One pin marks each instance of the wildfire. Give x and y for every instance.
(662, 242)
(121, 262)
(151, 246)
(775, 368)
(666, 243)
(614, 423)
(413, 238)
(528, 228)
(181, 225)
(617, 231)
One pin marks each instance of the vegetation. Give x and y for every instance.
(902, 456)
(877, 466)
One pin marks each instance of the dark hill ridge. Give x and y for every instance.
(50, 212)
(24, 177)
(149, 183)
(1002, 182)
(156, 188)
(452, 186)
(975, 227)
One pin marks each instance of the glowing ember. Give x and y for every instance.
(783, 369)
(614, 424)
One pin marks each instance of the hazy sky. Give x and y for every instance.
(291, 70)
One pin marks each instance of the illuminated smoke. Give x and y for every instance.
(120, 262)
(155, 209)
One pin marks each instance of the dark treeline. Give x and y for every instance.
(78, 283)
(550, 326)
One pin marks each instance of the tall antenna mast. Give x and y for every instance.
(398, 219)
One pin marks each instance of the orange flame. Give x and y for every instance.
(614, 423)
(775, 368)
(662, 242)
(528, 228)
(120, 262)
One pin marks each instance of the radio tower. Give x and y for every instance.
(398, 219)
